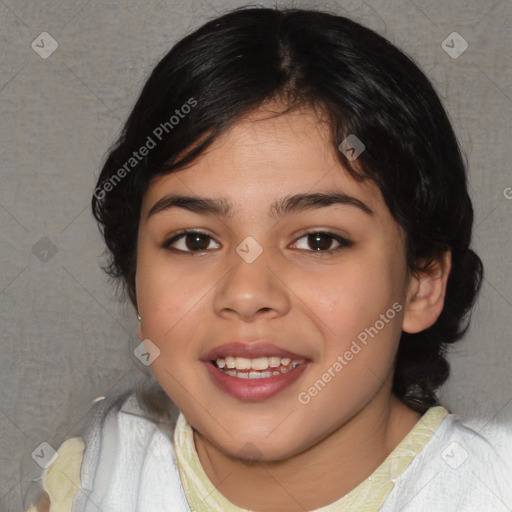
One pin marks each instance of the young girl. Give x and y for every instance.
(287, 206)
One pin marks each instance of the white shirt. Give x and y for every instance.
(130, 465)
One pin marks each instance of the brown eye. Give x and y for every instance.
(188, 241)
(321, 242)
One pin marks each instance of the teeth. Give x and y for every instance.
(259, 363)
(274, 362)
(258, 375)
(231, 366)
(242, 363)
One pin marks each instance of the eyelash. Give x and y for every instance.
(344, 243)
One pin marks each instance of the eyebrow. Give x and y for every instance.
(284, 206)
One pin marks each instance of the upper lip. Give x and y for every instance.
(250, 350)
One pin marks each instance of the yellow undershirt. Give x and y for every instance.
(368, 496)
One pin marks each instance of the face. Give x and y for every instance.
(323, 280)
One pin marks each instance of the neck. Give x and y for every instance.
(340, 461)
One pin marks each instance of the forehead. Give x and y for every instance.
(263, 157)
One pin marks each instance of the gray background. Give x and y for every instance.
(67, 336)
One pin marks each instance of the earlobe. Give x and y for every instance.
(426, 294)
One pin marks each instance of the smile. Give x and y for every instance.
(255, 385)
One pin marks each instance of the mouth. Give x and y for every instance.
(253, 370)
(253, 385)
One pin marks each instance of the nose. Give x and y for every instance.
(252, 288)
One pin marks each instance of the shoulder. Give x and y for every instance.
(466, 466)
(129, 461)
(119, 427)
(116, 435)
(480, 439)
(60, 481)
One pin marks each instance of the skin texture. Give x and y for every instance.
(313, 304)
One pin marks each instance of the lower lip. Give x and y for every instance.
(254, 390)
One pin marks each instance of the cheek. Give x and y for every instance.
(359, 310)
(351, 296)
(169, 304)
(167, 297)
(357, 363)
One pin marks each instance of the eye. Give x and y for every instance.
(189, 241)
(197, 241)
(322, 240)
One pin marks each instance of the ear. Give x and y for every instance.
(425, 295)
